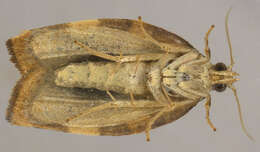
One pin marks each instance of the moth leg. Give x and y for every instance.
(111, 76)
(192, 96)
(100, 107)
(163, 46)
(122, 59)
(97, 108)
(166, 94)
(137, 63)
(158, 115)
(96, 53)
(145, 33)
(207, 106)
(148, 35)
(114, 70)
(199, 61)
(110, 95)
(132, 99)
(207, 50)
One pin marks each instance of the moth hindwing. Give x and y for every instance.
(108, 77)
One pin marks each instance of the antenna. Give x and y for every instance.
(229, 41)
(230, 85)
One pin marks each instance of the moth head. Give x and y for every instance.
(222, 77)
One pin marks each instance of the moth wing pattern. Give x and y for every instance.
(118, 118)
(54, 45)
(36, 101)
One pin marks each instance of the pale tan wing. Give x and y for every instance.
(52, 110)
(124, 119)
(53, 46)
(39, 103)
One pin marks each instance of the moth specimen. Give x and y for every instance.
(110, 77)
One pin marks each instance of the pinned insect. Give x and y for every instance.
(111, 77)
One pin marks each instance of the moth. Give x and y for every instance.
(111, 77)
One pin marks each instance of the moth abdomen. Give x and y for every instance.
(104, 76)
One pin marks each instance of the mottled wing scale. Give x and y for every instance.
(36, 100)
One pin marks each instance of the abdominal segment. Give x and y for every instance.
(121, 78)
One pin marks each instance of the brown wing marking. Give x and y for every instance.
(159, 34)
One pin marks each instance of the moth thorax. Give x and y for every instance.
(171, 78)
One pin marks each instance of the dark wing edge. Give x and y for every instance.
(159, 34)
(22, 95)
(21, 55)
(24, 62)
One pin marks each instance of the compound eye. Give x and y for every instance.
(219, 87)
(220, 67)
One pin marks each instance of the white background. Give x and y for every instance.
(188, 18)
